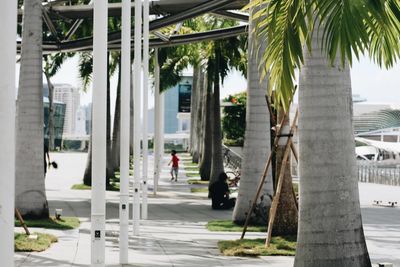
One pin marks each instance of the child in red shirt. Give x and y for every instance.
(175, 166)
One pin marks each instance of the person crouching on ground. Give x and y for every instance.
(219, 192)
(175, 166)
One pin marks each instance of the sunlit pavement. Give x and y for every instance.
(174, 234)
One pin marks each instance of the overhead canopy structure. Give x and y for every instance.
(387, 146)
(170, 12)
(368, 123)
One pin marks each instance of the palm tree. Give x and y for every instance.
(193, 114)
(30, 188)
(257, 143)
(116, 133)
(52, 64)
(337, 216)
(330, 227)
(221, 55)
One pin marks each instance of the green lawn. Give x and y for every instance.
(190, 164)
(23, 243)
(199, 189)
(64, 223)
(229, 226)
(280, 246)
(192, 174)
(113, 187)
(191, 168)
(197, 181)
(81, 187)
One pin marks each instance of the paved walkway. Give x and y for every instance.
(174, 234)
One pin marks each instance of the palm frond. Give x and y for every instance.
(85, 69)
(383, 28)
(282, 25)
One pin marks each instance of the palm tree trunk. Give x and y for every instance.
(257, 144)
(30, 187)
(205, 164)
(330, 226)
(217, 166)
(286, 214)
(109, 167)
(51, 111)
(117, 124)
(201, 115)
(193, 114)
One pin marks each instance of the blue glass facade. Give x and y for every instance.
(172, 106)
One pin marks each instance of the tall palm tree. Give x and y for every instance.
(257, 142)
(330, 228)
(221, 55)
(30, 188)
(328, 179)
(116, 133)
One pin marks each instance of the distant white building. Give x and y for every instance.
(69, 95)
(80, 123)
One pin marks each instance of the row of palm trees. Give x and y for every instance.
(331, 32)
(320, 38)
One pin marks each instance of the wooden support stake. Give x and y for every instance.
(275, 200)
(21, 220)
(296, 156)
(262, 179)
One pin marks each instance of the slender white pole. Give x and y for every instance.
(162, 127)
(145, 104)
(136, 115)
(157, 120)
(8, 33)
(99, 132)
(125, 123)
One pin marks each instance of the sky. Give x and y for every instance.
(368, 80)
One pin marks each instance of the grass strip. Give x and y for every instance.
(280, 246)
(190, 164)
(199, 189)
(197, 181)
(112, 187)
(191, 169)
(230, 226)
(65, 223)
(24, 244)
(192, 174)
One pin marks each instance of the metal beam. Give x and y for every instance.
(189, 13)
(73, 46)
(232, 15)
(156, 24)
(114, 9)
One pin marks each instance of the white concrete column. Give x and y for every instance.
(146, 15)
(99, 133)
(162, 128)
(157, 120)
(136, 116)
(125, 121)
(8, 33)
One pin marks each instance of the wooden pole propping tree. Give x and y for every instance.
(262, 179)
(276, 198)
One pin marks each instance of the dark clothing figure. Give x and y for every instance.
(46, 156)
(219, 192)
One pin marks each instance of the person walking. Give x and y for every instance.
(175, 166)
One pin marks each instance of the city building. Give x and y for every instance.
(69, 95)
(59, 115)
(177, 107)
